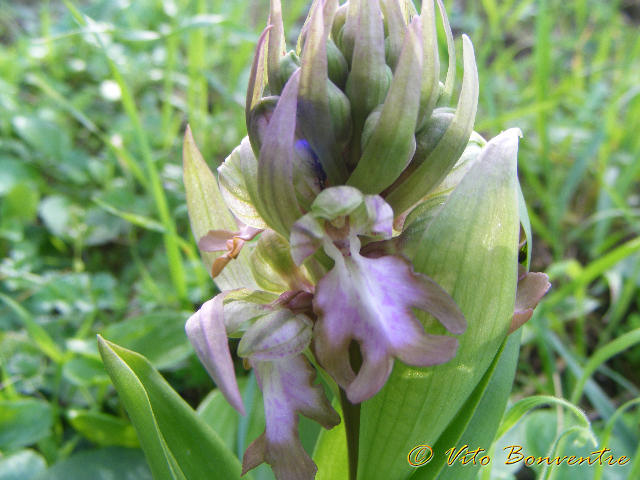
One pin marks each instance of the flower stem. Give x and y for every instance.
(351, 416)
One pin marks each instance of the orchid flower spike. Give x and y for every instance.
(355, 148)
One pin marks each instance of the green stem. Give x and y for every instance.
(351, 418)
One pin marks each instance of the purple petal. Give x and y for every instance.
(306, 237)
(216, 240)
(278, 204)
(276, 335)
(380, 215)
(370, 301)
(287, 387)
(207, 333)
(531, 288)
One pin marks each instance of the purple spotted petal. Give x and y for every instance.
(369, 300)
(288, 390)
(531, 288)
(207, 333)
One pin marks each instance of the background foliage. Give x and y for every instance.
(94, 235)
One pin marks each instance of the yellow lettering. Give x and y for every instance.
(420, 455)
(513, 450)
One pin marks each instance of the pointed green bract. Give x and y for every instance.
(275, 198)
(430, 88)
(393, 138)
(233, 185)
(207, 211)
(451, 50)
(313, 103)
(477, 266)
(257, 77)
(370, 76)
(396, 24)
(442, 158)
(276, 47)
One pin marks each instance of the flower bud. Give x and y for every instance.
(337, 64)
(258, 120)
(288, 65)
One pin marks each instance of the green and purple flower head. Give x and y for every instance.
(313, 224)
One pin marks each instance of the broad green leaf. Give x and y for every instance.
(103, 429)
(207, 211)
(24, 422)
(21, 465)
(112, 463)
(15, 172)
(177, 444)
(330, 453)
(237, 431)
(479, 417)
(470, 249)
(56, 212)
(20, 203)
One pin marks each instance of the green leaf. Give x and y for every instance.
(237, 431)
(522, 407)
(21, 203)
(84, 371)
(103, 429)
(56, 212)
(330, 453)
(38, 334)
(470, 249)
(177, 444)
(21, 465)
(24, 422)
(479, 418)
(207, 211)
(603, 354)
(104, 464)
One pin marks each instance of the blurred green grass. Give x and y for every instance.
(94, 235)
